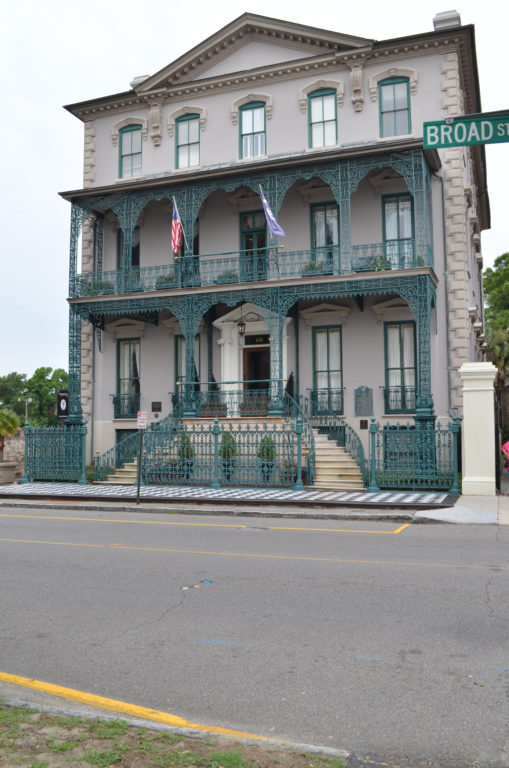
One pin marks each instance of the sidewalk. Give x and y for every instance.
(395, 506)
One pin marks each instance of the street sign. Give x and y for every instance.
(141, 418)
(467, 131)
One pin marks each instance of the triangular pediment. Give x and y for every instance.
(250, 42)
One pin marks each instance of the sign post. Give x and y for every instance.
(141, 418)
(488, 128)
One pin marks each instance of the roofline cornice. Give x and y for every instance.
(461, 38)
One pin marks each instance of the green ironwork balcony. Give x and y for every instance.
(399, 399)
(325, 399)
(268, 264)
(126, 406)
(232, 398)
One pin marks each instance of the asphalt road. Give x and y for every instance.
(355, 635)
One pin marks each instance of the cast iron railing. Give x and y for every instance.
(399, 399)
(234, 267)
(127, 449)
(126, 406)
(217, 454)
(226, 398)
(325, 399)
(419, 456)
(294, 415)
(329, 423)
(55, 453)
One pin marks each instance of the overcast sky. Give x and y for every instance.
(62, 51)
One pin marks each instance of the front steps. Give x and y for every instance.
(334, 467)
(126, 475)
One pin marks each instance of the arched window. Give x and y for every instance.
(130, 152)
(252, 129)
(188, 141)
(323, 130)
(394, 100)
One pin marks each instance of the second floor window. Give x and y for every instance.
(188, 141)
(324, 234)
(398, 223)
(322, 118)
(135, 248)
(252, 130)
(394, 98)
(130, 152)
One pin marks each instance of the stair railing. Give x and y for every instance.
(292, 411)
(126, 450)
(337, 429)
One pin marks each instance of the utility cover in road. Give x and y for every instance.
(466, 131)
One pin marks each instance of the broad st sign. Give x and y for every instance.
(467, 131)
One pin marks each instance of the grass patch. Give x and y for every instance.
(33, 739)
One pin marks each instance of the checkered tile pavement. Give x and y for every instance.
(253, 495)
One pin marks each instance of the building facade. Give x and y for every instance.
(370, 302)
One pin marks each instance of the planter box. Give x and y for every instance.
(7, 472)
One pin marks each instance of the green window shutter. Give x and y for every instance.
(322, 115)
(187, 151)
(130, 152)
(394, 105)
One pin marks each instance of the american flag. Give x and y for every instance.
(176, 230)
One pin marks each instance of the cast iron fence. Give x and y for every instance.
(55, 454)
(224, 454)
(420, 456)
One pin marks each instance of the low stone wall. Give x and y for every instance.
(14, 450)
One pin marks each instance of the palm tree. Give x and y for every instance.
(9, 425)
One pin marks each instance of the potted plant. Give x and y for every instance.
(227, 452)
(266, 453)
(289, 472)
(227, 277)
(9, 425)
(313, 268)
(165, 281)
(185, 453)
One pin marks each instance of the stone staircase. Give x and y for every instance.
(334, 467)
(126, 475)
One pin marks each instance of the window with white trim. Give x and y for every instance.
(188, 141)
(394, 100)
(252, 130)
(130, 152)
(322, 113)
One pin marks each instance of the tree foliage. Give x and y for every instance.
(41, 389)
(9, 425)
(496, 292)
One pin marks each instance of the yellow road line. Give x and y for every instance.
(119, 547)
(123, 707)
(201, 525)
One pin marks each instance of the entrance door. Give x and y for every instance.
(255, 400)
(253, 236)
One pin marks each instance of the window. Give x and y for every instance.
(398, 223)
(400, 367)
(322, 118)
(130, 152)
(188, 141)
(180, 361)
(327, 391)
(135, 248)
(394, 99)
(127, 399)
(324, 235)
(253, 244)
(252, 130)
